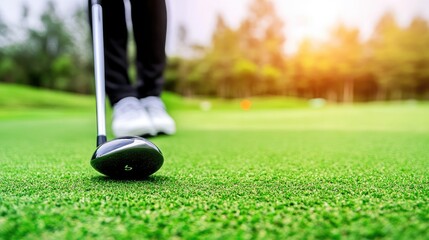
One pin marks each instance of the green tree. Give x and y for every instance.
(261, 34)
(82, 77)
(246, 61)
(390, 58)
(4, 30)
(47, 44)
(261, 42)
(307, 70)
(415, 43)
(346, 59)
(49, 56)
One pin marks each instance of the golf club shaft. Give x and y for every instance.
(97, 33)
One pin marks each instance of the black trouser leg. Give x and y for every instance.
(115, 31)
(149, 26)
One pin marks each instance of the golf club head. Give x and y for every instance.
(127, 158)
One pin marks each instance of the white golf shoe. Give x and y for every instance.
(161, 121)
(130, 119)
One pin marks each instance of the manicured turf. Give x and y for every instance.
(340, 172)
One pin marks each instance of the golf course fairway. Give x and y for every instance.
(354, 172)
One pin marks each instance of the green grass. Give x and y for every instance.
(338, 172)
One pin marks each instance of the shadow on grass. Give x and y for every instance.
(151, 179)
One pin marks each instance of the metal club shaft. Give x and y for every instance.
(97, 32)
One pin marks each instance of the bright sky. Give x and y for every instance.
(303, 18)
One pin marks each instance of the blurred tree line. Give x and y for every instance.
(239, 62)
(55, 55)
(250, 61)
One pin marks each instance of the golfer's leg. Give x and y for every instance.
(149, 25)
(115, 50)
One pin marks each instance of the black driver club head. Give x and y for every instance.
(127, 158)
